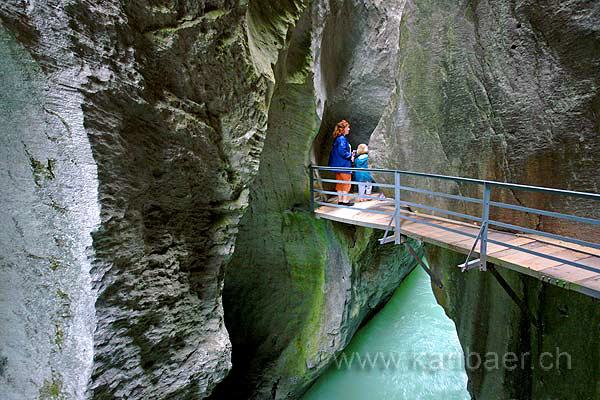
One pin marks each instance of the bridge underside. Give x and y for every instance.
(548, 270)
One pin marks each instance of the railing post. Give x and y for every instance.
(485, 218)
(397, 206)
(312, 187)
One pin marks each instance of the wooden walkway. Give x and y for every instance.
(554, 272)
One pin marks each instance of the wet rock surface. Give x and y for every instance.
(549, 352)
(173, 97)
(498, 91)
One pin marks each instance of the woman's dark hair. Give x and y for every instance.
(340, 127)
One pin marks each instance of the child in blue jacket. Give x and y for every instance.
(362, 161)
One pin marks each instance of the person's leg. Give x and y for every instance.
(346, 188)
(368, 189)
(361, 191)
(339, 187)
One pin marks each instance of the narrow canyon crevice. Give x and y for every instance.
(297, 288)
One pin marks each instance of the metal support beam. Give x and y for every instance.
(512, 294)
(390, 239)
(487, 189)
(469, 265)
(397, 206)
(434, 278)
(397, 239)
(312, 187)
(386, 239)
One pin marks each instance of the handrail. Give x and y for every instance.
(485, 202)
(587, 195)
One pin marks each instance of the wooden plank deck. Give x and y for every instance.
(554, 272)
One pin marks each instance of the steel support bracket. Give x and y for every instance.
(513, 295)
(485, 218)
(392, 239)
(422, 264)
(469, 265)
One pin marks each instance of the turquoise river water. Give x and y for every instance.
(409, 350)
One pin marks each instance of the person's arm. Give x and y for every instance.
(343, 148)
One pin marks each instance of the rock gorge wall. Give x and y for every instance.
(355, 47)
(500, 91)
(139, 126)
(557, 358)
(49, 207)
(505, 91)
(171, 100)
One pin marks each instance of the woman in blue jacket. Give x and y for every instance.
(341, 156)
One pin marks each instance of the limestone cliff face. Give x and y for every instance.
(132, 133)
(355, 46)
(49, 201)
(140, 123)
(505, 91)
(498, 91)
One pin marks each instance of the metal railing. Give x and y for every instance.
(483, 220)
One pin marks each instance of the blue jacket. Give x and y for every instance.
(340, 154)
(362, 161)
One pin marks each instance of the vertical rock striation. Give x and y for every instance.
(499, 91)
(50, 206)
